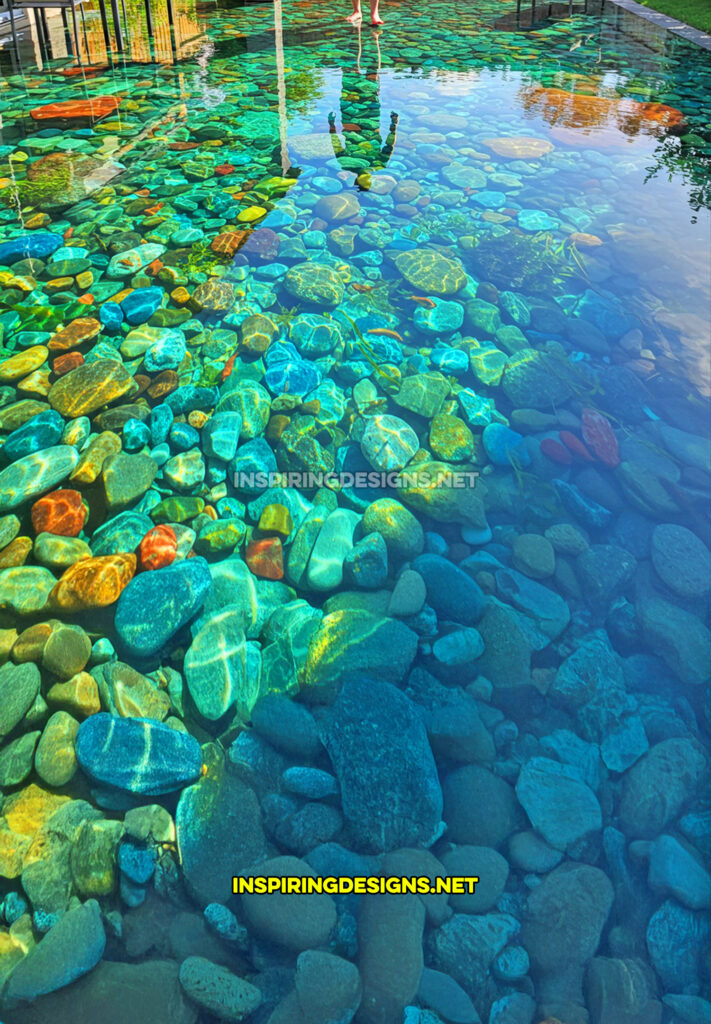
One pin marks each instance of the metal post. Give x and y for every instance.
(117, 25)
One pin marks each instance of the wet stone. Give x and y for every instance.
(139, 756)
(90, 386)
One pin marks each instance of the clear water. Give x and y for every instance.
(588, 241)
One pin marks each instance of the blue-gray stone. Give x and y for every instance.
(137, 862)
(70, 949)
(390, 790)
(676, 941)
(136, 754)
(451, 593)
(140, 304)
(501, 444)
(155, 605)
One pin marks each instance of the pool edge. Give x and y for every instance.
(692, 35)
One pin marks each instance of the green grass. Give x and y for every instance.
(693, 12)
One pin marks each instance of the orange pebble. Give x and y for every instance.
(87, 299)
(66, 362)
(61, 512)
(265, 559)
(158, 548)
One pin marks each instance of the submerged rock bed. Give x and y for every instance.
(207, 670)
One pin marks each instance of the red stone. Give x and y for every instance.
(94, 108)
(599, 435)
(224, 169)
(265, 559)
(556, 451)
(61, 512)
(575, 445)
(64, 363)
(158, 548)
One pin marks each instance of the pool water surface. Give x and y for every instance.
(354, 516)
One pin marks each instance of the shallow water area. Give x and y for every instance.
(354, 516)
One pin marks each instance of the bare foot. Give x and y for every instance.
(353, 18)
(376, 20)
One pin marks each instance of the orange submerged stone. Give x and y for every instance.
(96, 107)
(93, 582)
(61, 512)
(229, 242)
(64, 363)
(265, 559)
(75, 333)
(158, 548)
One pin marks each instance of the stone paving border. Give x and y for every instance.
(694, 35)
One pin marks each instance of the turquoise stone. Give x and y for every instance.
(34, 474)
(137, 755)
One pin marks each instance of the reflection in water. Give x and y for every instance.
(360, 112)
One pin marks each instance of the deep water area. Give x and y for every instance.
(355, 491)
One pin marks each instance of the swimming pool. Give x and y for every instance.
(354, 516)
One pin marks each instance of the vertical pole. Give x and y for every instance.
(281, 86)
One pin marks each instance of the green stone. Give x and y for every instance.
(431, 273)
(93, 857)
(126, 478)
(316, 283)
(55, 760)
(423, 393)
(487, 363)
(220, 535)
(451, 440)
(17, 758)
(177, 510)
(446, 504)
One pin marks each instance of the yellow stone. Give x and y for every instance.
(37, 383)
(88, 469)
(79, 695)
(37, 220)
(58, 284)
(252, 213)
(276, 519)
(27, 811)
(85, 280)
(198, 419)
(180, 296)
(7, 642)
(22, 363)
(23, 284)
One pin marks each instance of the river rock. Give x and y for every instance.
(34, 474)
(137, 755)
(155, 605)
(88, 387)
(656, 788)
(558, 803)
(286, 919)
(352, 641)
(69, 950)
(390, 958)
(219, 827)
(217, 990)
(378, 746)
